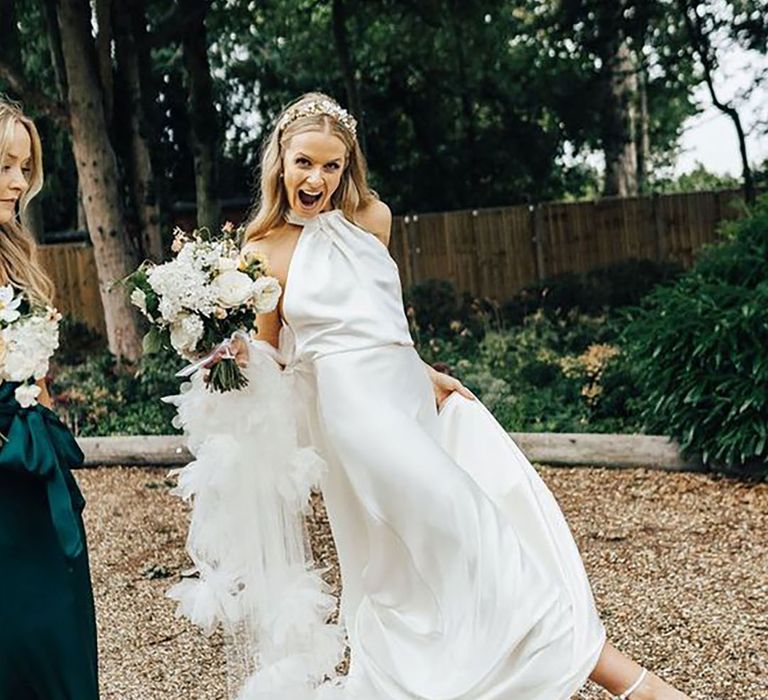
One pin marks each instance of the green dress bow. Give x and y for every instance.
(39, 444)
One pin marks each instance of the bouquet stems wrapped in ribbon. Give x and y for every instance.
(203, 301)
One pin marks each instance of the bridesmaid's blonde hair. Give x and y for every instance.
(18, 253)
(313, 111)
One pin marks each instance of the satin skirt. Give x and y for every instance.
(461, 579)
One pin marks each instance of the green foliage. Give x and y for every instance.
(698, 180)
(98, 397)
(699, 351)
(616, 286)
(561, 373)
(435, 308)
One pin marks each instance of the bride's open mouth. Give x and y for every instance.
(309, 200)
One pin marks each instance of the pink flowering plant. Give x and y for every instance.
(202, 299)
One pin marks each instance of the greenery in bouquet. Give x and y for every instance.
(199, 301)
(29, 335)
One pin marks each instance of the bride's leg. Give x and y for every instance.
(616, 672)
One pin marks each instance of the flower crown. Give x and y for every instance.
(315, 108)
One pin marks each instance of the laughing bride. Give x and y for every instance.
(461, 580)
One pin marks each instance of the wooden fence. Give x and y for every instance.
(497, 252)
(73, 270)
(492, 252)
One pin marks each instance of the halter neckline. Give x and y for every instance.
(298, 220)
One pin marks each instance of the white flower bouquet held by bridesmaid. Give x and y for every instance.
(202, 299)
(29, 335)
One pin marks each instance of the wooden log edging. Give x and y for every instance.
(557, 449)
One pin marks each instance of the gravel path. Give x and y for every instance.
(678, 563)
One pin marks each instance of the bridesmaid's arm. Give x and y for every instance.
(45, 397)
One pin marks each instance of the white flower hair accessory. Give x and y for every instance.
(317, 107)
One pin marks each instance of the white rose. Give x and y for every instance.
(233, 288)
(9, 304)
(27, 394)
(19, 365)
(266, 294)
(226, 264)
(186, 333)
(139, 299)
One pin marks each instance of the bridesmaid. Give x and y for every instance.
(47, 622)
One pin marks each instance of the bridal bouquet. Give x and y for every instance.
(201, 300)
(29, 335)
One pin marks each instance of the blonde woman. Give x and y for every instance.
(47, 623)
(460, 577)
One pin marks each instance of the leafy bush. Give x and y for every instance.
(561, 374)
(98, 397)
(616, 286)
(699, 350)
(436, 309)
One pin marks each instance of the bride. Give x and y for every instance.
(461, 579)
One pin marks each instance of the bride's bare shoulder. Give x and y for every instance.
(376, 217)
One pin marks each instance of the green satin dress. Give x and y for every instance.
(47, 621)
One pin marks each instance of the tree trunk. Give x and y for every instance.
(706, 52)
(141, 174)
(204, 136)
(643, 135)
(619, 122)
(98, 176)
(54, 47)
(103, 11)
(341, 40)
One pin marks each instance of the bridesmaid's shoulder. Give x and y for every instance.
(376, 217)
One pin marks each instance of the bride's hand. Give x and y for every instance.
(444, 385)
(237, 348)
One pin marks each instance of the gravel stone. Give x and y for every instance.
(678, 563)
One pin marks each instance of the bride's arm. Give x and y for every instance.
(377, 218)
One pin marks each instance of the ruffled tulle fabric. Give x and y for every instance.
(249, 487)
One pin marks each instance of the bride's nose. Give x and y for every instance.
(314, 177)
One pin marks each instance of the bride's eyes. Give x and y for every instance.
(302, 161)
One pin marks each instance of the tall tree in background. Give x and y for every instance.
(702, 23)
(131, 53)
(98, 175)
(347, 64)
(205, 130)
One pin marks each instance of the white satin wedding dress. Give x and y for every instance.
(461, 579)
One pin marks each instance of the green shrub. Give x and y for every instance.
(699, 351)
(560, 374)
(99, 397)
(436, 309)
(612, 287)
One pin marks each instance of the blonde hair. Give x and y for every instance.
(19, 265)
(353, 191)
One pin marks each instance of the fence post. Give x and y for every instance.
(537, 236)
(659, 229)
